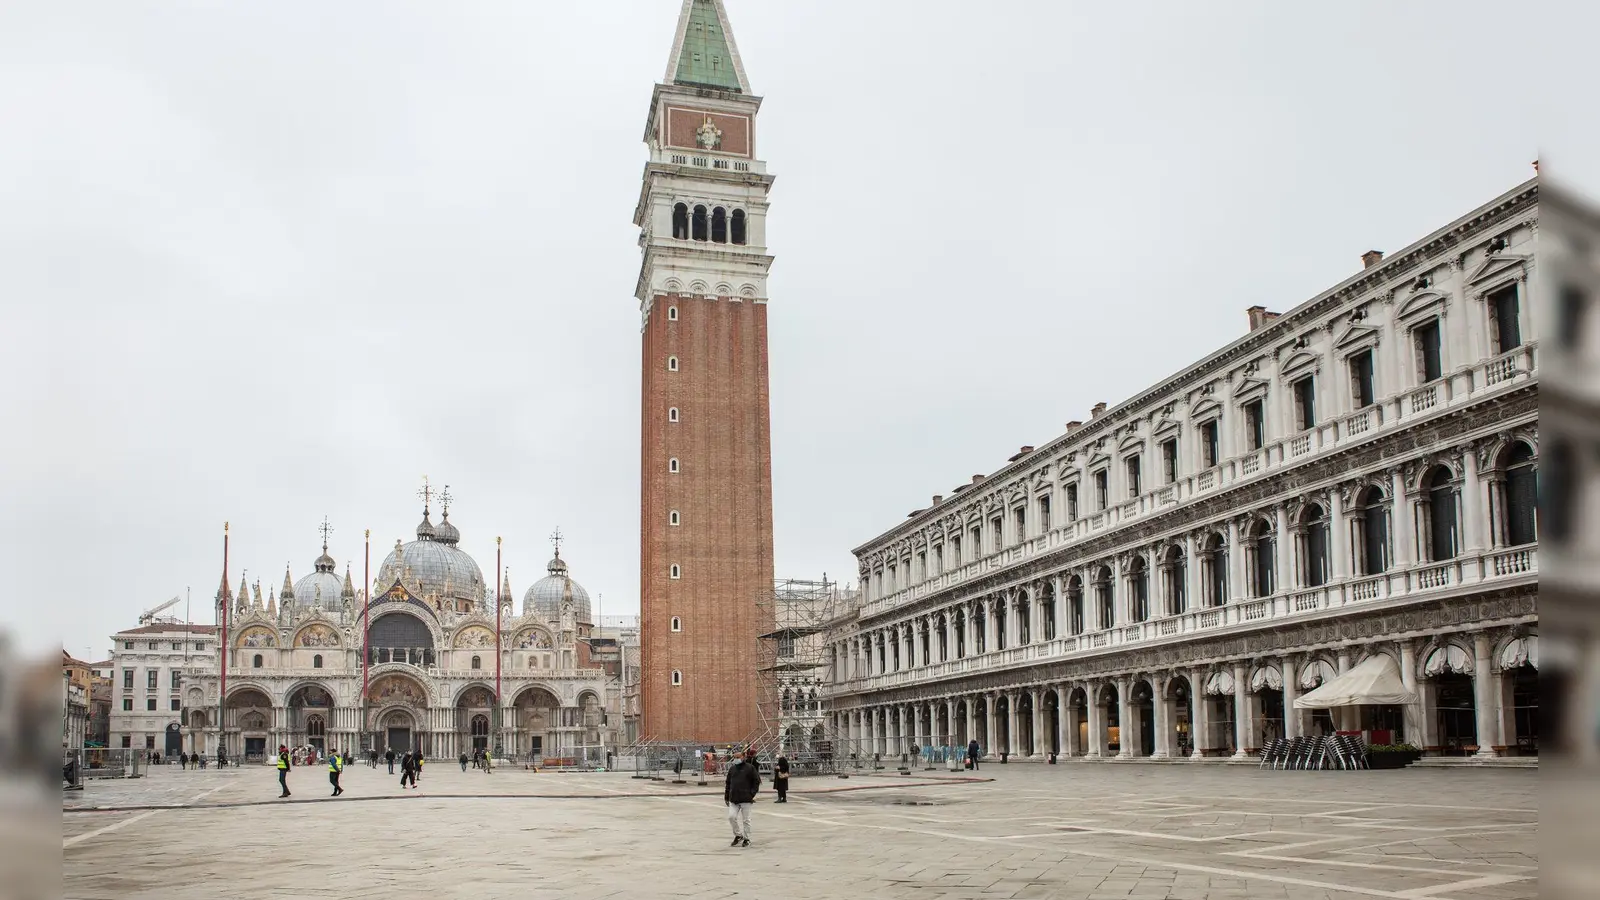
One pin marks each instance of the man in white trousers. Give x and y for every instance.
(743, 783)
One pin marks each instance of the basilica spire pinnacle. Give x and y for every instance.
(703, 50)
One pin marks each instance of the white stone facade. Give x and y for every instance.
(1353, 477)
(151, 668)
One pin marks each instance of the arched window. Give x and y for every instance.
(719, 226)
(1372, 531)
(672, 465)
(477, 662)
(672, 414)
(738, 226)
(672, 364)
(1105, 598)
(700, 223)
(673, 518)
(255, 661)
(1521, 495)
(672, 314)
(676, 572)
(1139, 586)
(1176, 572)
(680, 221)
(1262, 559)
(1075, 604)
(677, 624)
(1440, 514)
(316, 661)
(1024, 629)
(677, 678)
(1216, 563)
(1314, 546)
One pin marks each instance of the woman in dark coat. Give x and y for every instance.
(780, 778)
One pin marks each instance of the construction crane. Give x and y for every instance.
(150, 615)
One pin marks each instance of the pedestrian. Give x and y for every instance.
(972, 754)
(408, 770)
(201, 760)
(463, 760)
(335, 768)
(183, 759)
(389, 755)
(488, 765)
(739, 793)
(283, 771)
(417, 775)
(780, 779)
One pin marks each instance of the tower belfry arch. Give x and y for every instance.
(705, 459)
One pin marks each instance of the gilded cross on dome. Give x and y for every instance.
(325, 529)
(426, 493)
(555, 540)
(444, 500)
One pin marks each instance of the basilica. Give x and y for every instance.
(410, 665)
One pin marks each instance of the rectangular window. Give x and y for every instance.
(177, 645)
(127, 742)
(200, 646)
(1133, 476)
(127, 679)
(1305, 403)
(1361, 388)
(1255, 424)
(938, 560)
(1102, 489)
(177, 679)
(1020, 516)
(150, 704)
(1430, 358)
(153, 645)
(127, 645)
(996, 533)
(176, 704)
(149, 742)
(127, 704)
(955, 549)
(1169, 460)
(152, 679)
(1507, 327)
(1044, 515)
(1210, 444)
(1072, 502)
(977, 541)
(922, 565)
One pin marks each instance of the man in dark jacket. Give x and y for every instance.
(973, 752)
(408, 771)
(388, 756)
(744, 782)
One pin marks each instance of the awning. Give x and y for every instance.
(1376, 681)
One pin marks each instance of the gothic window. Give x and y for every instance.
(672, 314)
(315, 727)
(1263, 558)
(1362, 390)
(1176, 570)
(672, 465)
(255, 661)
(1430, 355)
(677, 624)
(1139, 585)
(680, 221)
(1075, 604)
(1314, 546)
(1105, 597)
(1507, 329)
(1305, 403)
(719, 226)
(672, 414)
(738, 226)
(700, 223)
(477, 662)
(672, 364)
(316, 661)
(1521, 495)
(1372, 531)
(1216, 562)
(1440, 514)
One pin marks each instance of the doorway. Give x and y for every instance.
(398, 739)
(1525, 710)
(1458, 717)
(174, 740)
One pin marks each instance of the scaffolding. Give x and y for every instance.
(792, 675)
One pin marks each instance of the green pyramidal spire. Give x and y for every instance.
(704, 52)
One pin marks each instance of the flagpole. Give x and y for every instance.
(222, 694)
(366, 632)
(499, 605)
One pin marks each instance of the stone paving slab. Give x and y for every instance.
(1094, 832)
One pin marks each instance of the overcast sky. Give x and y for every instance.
(265, 262)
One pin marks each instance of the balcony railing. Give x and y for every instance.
(1283, 608)
(1362, 425)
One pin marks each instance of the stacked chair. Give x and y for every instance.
(1338, 751)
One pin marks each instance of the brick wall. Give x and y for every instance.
(723, 494)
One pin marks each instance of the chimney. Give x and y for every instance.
(1098, 409)
(1371, 258)
(977, 478)
(938, 499)
(1026, 449)
(1074, 425)
(1260, 317)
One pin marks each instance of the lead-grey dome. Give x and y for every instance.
(429, 567)
(544, 598)
(321, 588)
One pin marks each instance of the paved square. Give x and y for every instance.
(1071, 831)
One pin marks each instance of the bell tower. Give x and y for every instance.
(705, 546)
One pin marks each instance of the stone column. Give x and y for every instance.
(1097, 723)
(1241, 708)
(1058, 600)
(1126, 732)
(1064, 731)
(1041, 744)
(1412, 729)
(991, 630)
(1013, 724)
(1485, 697)
(1201, 726)
(1292, 724)
(1162, 718)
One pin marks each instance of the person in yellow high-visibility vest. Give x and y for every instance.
(283, 772)
(488, 762)
(335, 768)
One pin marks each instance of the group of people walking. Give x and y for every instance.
(198, 761)
(288, 759)
(480, 759)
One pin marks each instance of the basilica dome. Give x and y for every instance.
(544, 598)
(322, 588)
(433, 566)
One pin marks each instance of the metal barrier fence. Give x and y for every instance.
(81, 764)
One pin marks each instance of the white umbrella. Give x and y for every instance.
(1376, 681)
